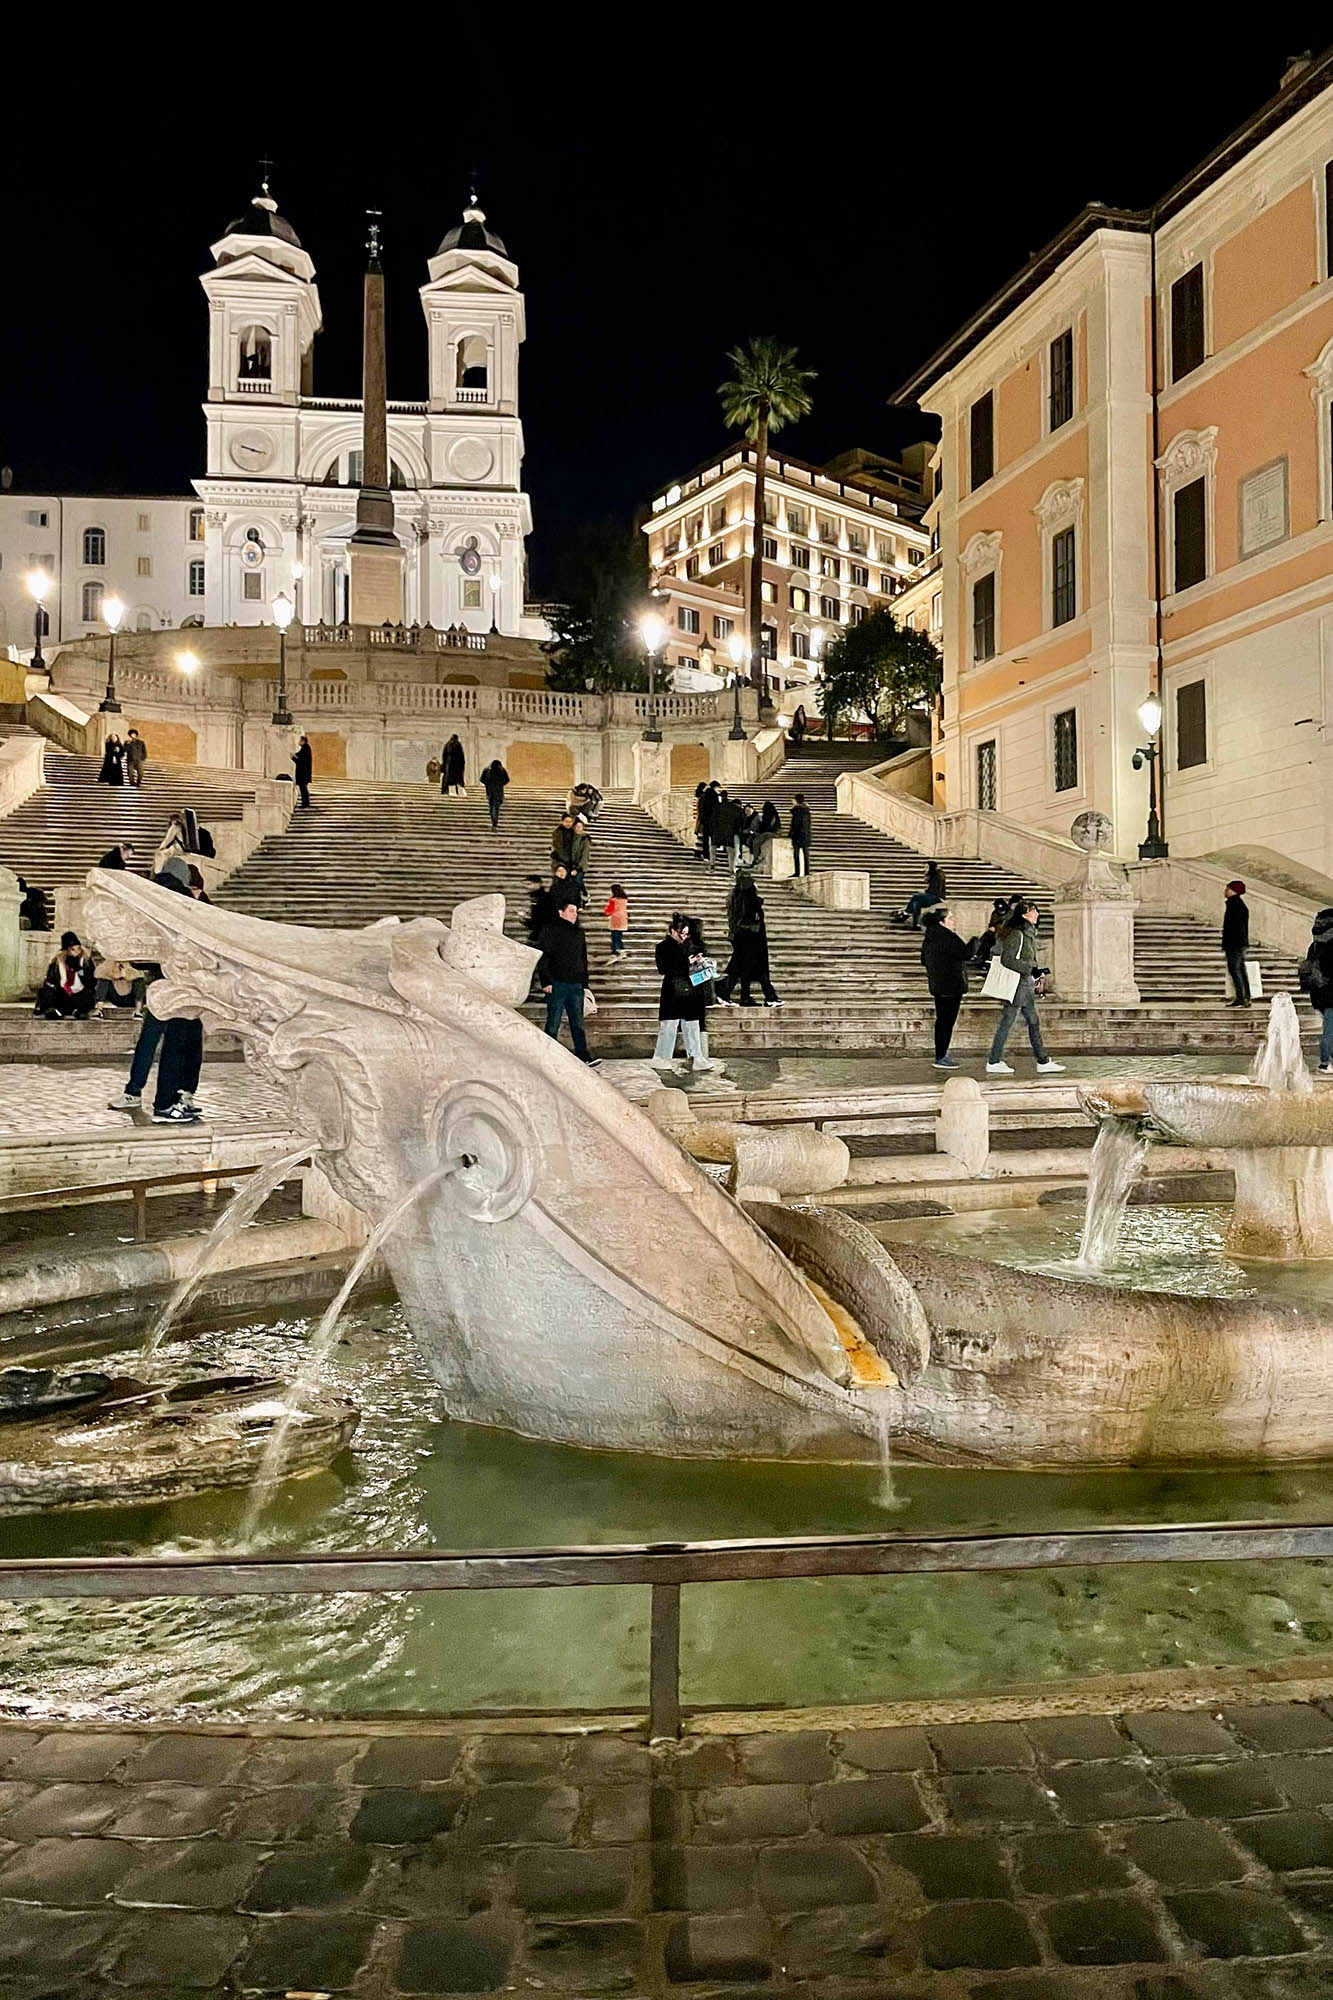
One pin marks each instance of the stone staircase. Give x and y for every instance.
(64, 829)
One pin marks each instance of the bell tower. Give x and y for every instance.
(263, 311)
(474, 319)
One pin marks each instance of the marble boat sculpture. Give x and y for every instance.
(570, 1274)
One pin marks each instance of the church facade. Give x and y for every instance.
(276, 505)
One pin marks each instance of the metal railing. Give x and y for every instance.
(666, 1567)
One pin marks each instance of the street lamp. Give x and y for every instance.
(188, 663)
(283, 612)
(652, 630)
(736, 647)
(113, 611)
(1154, 848)
(39, 584)
(494, 580)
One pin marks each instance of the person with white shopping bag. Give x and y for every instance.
(1012, 977)
(1242, 968)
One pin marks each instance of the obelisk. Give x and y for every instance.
(374, 554)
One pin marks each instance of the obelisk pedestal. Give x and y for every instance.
(374, 553)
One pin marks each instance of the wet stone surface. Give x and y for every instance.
(1158, 1856)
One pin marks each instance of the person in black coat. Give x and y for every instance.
(562, 973)
(494, 779)
(945, 957)
(69, 990)
(113, 762)
(1317, 977)
(768, 823)
(748, 964)
(32, 910)
(726, 826)
(799, 832)
(118, 856)
(1236, 941)
(303, 768)
(453, 765)
(681, 1003)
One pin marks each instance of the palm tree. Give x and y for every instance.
(767, 391)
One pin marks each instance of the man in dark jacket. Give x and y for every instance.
(303, 768)
(1317, 977)
(119, 856)
(945, 957)
(800, 834)
(562, 974)
(1236, 941)
(136, 756)
(726, 825)
(494, 779)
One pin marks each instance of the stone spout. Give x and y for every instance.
(573, 1276)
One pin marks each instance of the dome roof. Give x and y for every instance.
(263, 219)
(472, 234)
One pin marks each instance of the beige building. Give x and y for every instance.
(837, 541)
(1137, 494)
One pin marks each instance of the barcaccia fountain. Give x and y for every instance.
(571, 1275)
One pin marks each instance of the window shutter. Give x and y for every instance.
(1064, 593)
(1187, 323)
(1062, 379)
(1191, 564)
(1191, 725)
(981, 432)
(983, 617)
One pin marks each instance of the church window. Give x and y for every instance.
(355, 464)
(143, 621)
(195, 585)
(196, 528)
(252, 587)
(144, 566)
(396, 477)
(472, 364)
(94, 546)
(472, 594)
(255, 348)
(145, 523)
(92, 602)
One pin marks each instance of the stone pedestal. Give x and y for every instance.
(836, 888)
(1093, 961)
(13, 960)
(652, 769)
(375, 582)
(962, 1126)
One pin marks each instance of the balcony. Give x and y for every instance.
(471, 396)
(254, 385)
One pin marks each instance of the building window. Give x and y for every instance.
(717, 555)
(800, 645)
(983, 617)
(145, 523)
(195, 579)
(472, 363)
(770, 511)
(94, 547)
(92, 602)
(860, 577)
(986, 775)
(723, 627)
(355, 462)
(770, 548)
(858, 613)
(800, 558)
(798, 521)
(692, 566)
(717, 517)
(143, 621)
(143, 566)
(856, 541)
(937, 611)
(830, 608)
(1064, 585)
(1191, 725)
(798, 600)
(195, 531)
(1066, 750)
(255, 350)
(36, 517)
(830, 566)
(981, 434)
(252, 587)
(1189, 516)
(472, 594)
(1061, 400)
(687, 618)
(1187, 323)
(886, 550)
(767, 593)
(768, 641)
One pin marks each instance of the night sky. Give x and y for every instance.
(660, 208)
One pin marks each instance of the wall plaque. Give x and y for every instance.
(1263, 508)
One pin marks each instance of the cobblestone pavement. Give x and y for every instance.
(1157, 1856)
(43, 1099)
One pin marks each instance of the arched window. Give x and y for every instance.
(396, 473)
(94, 546)
(196, 531)
(92, 603)
(196, 578)
(255, 344)
(472, 371)
(143, 621)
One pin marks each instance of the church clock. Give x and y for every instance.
(252, 451)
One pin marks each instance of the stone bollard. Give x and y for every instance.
(1093, 961)
(13, 958)
(836, 888)
(962, 1127)
(652, 769)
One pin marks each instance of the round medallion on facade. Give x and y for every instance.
(1091, 831)
(469, 558)
(472, 459)
(252, 451)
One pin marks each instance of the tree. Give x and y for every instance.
(767, 391)
(880, 669)
(596, 627)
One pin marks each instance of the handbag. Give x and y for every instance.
(1000, 983)
(705, 970)
(589, 1000)
(1256, 978)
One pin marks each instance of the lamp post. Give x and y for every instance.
(283, 611)
(736, 647)
(494, 580)
(39, 585)
(652, 631)
(113, 611)
(1154, 848)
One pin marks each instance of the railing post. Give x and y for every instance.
(664, 1662)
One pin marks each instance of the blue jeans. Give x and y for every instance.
(145, 1049)
(1024, 1002)
(1326, 1041)
(566, 997)
(617, 943)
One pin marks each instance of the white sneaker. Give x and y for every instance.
(127, 1101)
(1049, 1068)
(702, 1063)
(998, 1069)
